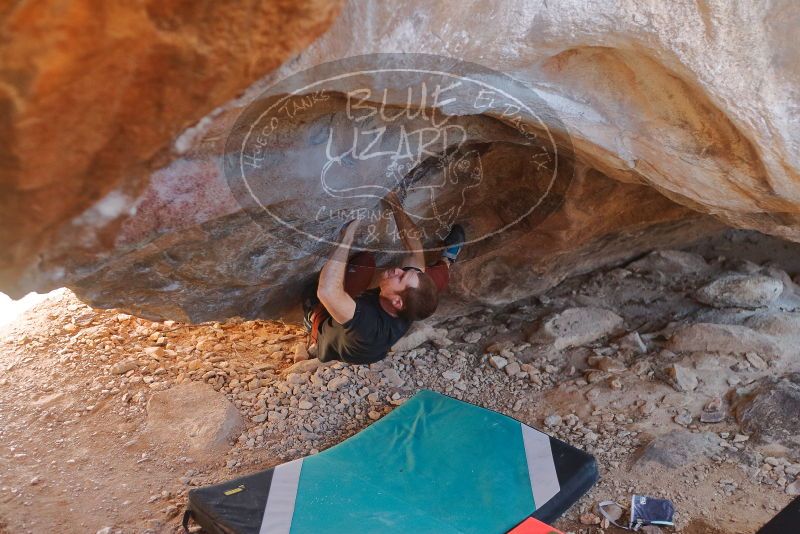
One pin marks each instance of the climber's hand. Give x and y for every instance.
(348, 231)
(393, 201)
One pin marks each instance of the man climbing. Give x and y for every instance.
(359, 311)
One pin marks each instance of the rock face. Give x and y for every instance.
(669, 112)
(124, 82)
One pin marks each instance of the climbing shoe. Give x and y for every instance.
(453, 243)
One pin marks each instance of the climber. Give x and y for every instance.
(358, 311)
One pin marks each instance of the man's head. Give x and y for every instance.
(411, 293)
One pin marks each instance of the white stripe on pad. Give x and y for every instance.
(541, 466)
(281, 499)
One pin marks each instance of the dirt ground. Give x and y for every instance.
(79, 451)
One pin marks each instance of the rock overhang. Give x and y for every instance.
(658, 138)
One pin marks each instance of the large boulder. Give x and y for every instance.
(771, 411)
(680, 449)
(664, 113)
(741, 291)
(574, 327)
(192, 418)
(724, 339)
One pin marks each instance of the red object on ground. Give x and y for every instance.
(533, 526)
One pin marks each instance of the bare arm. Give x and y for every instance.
(409, 233)
(330, 291)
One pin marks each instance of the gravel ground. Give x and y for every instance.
(619, 362)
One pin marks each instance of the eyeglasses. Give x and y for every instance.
(409, 268)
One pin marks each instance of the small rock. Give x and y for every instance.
(552, 421)
(683, 378)
(683, 419)
(498, 362)
(337, 382)
(305, 366)
(606, 363)
(594, 376)
(712, 417)
(35, 480)
(590, 519)
(650, 529)
(740, 438)
(393, 377)
(157, 353)
(171, 511)
(304, 405)
(105, 530)
(418, 334)
(295, 378)
(300, 352)
(451, 375)
(756, 361)
(614, 511)
(793, 488)
(714, 405)
(633, 342)
(274, 416)
(120, 368)
(512, 369)
(472, 337)
(374, 415)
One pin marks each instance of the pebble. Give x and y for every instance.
(683, 378)
(123, 367)
(756, 361)
(393, 377)
(472, 337)
(498, 362)
(300, 352)
(712, 417)
(451, 375)
(589, 519)
(335, 383)
(295, 378)
(512, 369)
(683, 419)
(552, 421)
(305, 405)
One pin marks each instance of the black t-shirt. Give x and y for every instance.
(366, 338)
